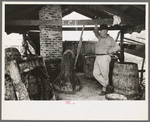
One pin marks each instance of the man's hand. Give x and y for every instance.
(95, 27)
(96, 32)
(110, 53)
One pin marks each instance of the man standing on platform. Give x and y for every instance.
(105, 47)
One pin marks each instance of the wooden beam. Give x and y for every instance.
(22, 23)
(121, 14)
(135, 49)
(19, 29)
(87, 22)
(135, 41)
(59, 22)
(87, 28)
(135, 52)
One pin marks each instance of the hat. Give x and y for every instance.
(103, 27)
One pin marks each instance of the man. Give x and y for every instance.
(105, 47)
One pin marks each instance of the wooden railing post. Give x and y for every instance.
(121, 45)
(21, 90)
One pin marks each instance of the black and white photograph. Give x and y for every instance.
(75, 53)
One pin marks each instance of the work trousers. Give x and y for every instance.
(101, 70)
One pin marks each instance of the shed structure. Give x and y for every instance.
(47, 21)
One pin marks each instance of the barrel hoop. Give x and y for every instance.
(129, 75)
(126, 88)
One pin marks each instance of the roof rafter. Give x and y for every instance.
(78, 10)
(22, 11)
(91, 12)
(140, 7)
(124, 8)
(118, 13)
(67, 12)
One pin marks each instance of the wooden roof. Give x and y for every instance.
(133, 14)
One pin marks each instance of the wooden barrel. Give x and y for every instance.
(89, 66)
(9, 89)
(11, 54)
(38, 85)
(125, 78)
(35, 87)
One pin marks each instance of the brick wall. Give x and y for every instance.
(51, 36)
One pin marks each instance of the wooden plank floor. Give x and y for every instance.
(90, 90)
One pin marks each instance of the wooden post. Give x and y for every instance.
(79, 47)
(142, 69)
(121, 45)
(24, 43)
(117, 36)
(20, 88)
(24, 36)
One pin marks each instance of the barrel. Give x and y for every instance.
(89, 66)
(39, 88)
(9, 89)
(34, 88)
(12, 54)
(125, 78)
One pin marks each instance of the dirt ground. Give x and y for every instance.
(90, 90)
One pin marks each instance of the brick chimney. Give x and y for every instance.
(51, 37)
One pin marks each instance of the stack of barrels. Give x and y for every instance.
(35, 82)
(10, 54)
